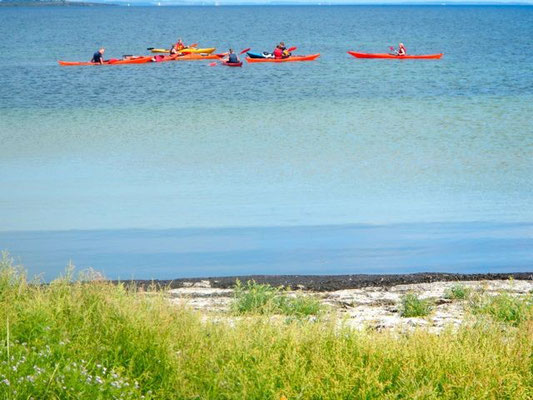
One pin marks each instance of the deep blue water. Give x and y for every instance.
(339, 249)
(336, 166)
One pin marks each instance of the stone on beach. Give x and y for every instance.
(372, 307)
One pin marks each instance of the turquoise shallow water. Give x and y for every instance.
(406, 146)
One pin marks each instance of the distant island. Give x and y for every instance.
(48, 3)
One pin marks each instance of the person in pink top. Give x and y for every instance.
(402, 51)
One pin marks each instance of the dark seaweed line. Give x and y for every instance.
(325, 283)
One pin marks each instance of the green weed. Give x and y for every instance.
(254, 298)
(458, 292)
(503, 307)
(412, 306)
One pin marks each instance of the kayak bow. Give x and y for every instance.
(406, 57)
(228, 64)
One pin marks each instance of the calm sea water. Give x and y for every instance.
(336, 166)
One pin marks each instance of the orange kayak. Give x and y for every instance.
(310, 57)
(135, 60)
(192, 56)
(406, 57)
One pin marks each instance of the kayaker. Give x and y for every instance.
(231, 57)
(179, 45)
(280, 51)
(401, 50)
(98, 57)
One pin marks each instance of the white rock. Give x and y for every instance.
(371, 307)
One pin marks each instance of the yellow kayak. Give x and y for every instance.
(191, 50)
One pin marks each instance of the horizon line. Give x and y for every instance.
(230, 3)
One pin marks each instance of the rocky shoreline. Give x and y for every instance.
(362, 307)
(327, 283)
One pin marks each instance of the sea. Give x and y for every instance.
(337, 166)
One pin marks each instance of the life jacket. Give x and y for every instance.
(278, 53)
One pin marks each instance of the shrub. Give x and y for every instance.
(458, 292)
(254, 298)
(504, 307)
(412, 306)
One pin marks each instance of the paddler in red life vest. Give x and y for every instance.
(401, 50)
(281, 51)
(179, 45)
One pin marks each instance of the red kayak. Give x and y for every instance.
(310, 57)
(228, 64)
(406, 57)
(113, 61)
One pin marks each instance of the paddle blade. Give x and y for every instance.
(150, 48)
(213, 64)
(245, 50)
(194, 45)
(292, 49)
(391, 48)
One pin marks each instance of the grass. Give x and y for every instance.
(412, 306)
(458, 292)
(254, 298)
(94, 340)
(504, 308)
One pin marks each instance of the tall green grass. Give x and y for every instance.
(94, 340)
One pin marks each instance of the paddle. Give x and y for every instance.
(214, 64)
